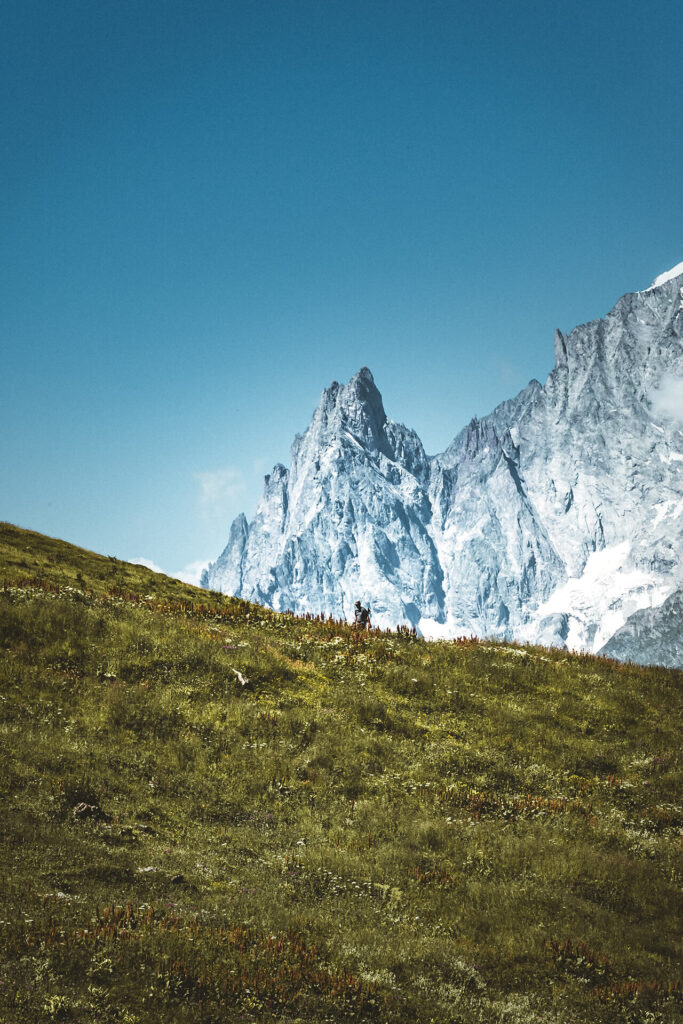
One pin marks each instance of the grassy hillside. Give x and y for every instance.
(355, 827)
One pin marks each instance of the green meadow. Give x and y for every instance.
(215, 813)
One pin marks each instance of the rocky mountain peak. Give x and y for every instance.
(276, 477)
(355, 408)
(554, 519)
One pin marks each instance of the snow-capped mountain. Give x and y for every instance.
(555, 519)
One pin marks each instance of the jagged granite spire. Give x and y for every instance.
(356, 407)
(346, 521)
(555, 518)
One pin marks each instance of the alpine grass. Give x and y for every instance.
(213, 813)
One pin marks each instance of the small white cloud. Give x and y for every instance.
(667, 400)
(149, 564)
(192, 573)
(219, 489)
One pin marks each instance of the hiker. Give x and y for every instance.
(362, 617)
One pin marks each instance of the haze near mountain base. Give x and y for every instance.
(556, 519)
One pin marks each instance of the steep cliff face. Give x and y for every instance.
(651, 636)
(593, 532)
(554, 519)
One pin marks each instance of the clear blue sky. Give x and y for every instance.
(211, 209)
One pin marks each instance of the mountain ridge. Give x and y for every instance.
(498, 534)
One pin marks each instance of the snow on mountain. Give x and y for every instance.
(668, 275)
(555, 519)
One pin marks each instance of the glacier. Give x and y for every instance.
(556, 519)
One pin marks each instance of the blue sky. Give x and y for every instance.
(212, 209)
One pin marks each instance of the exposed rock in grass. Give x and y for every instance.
(83, 811)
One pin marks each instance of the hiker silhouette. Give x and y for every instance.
(362, 616)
